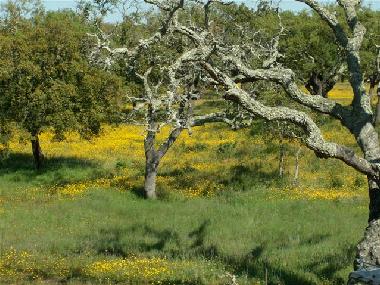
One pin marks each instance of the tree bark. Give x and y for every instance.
(150, 180)
(377, 117)
(368, 249)
(37, 151)
(151, 166)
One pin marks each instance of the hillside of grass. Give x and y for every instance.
(223, 215)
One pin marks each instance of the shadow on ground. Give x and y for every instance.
(254, 264)
(248, 176)
(21, 167)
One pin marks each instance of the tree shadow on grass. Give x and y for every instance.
(113, 241)
(178, 172)
(22, 166)
(138, 191)
(246, 176)
(315, 239)
(254, 265)
(333, 263)
(170, 243)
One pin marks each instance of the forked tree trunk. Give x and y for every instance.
(151, 166)
(37, 151)
(153, 158)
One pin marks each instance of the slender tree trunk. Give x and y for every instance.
(37, 151)
(281, 164)
(296, 168)
(371, 90)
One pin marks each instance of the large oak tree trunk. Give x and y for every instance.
(37, 151)
(368, 249)
(377, 118)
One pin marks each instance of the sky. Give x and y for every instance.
(284, 4)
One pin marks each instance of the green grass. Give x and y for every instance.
(296, 242)
(244, 230)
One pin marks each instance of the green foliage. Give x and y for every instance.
(46, 81)
(14, 12)
(370, 19)
(95, 10)
(308, 44)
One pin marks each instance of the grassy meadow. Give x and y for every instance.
(224, 215)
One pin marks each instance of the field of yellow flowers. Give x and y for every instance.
(224, 214)
(209, 152)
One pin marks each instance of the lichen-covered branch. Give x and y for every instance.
(130, 54)
(314, 139)
(286, 78)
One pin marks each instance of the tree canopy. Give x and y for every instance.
(47, 81)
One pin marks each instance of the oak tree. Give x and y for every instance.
(46, 81)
